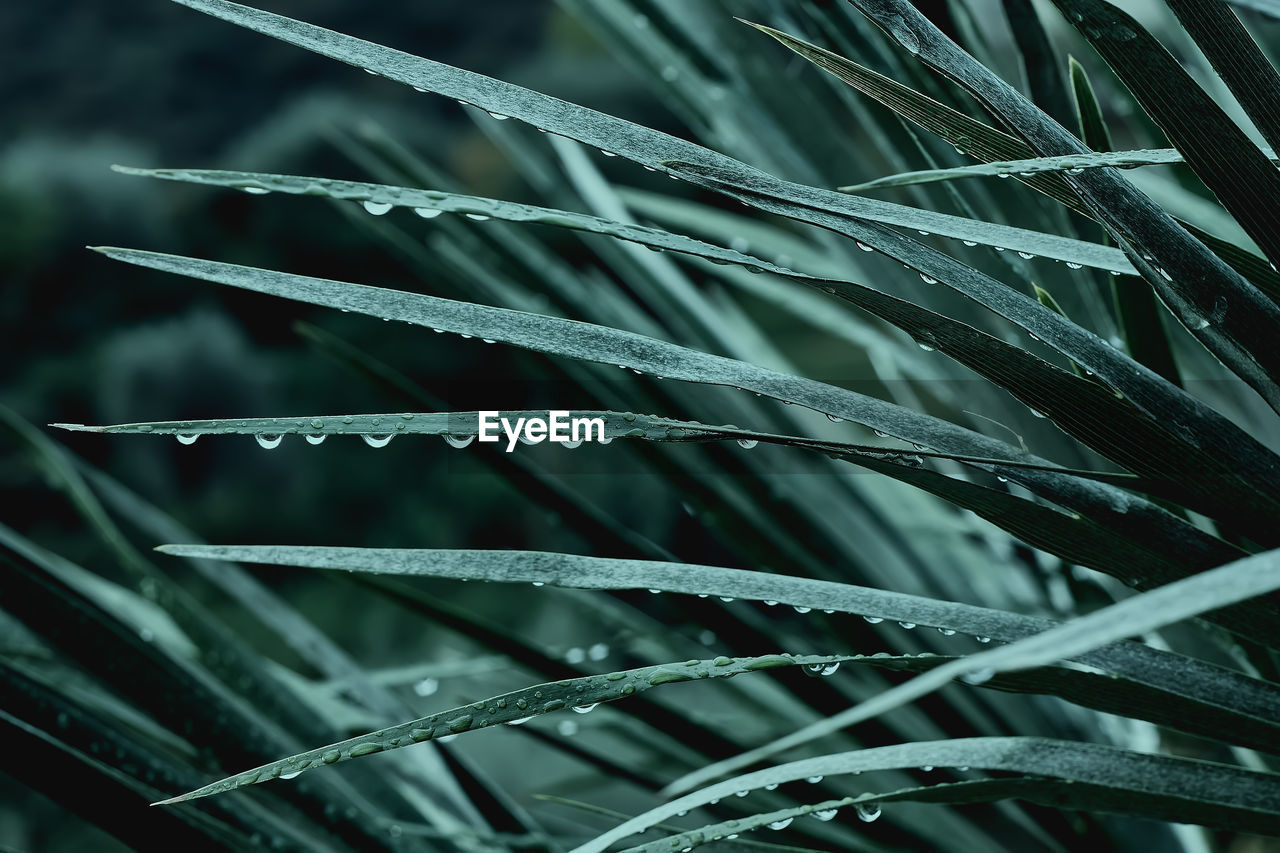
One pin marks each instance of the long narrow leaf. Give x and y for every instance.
(515, 708)
(1189, 678)
(1154, 785)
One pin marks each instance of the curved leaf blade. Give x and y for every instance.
(516, 707)
(1218, 794)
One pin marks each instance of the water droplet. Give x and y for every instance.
(488, 340)
(771, 603)
(377, 208)
(781, 824)
(607, 153)
(497, 116)
(998, 248)
(599, 651)
(968, 242)
(571, 444)
(927, 768)
(742, 793)
(928, 279)
(428, 212)
(813, 780)
(825, 814)
(459, 441)
(419, 89)
(256, 190)
(978, 676)
(1036, 414)
(863, 246)
(834, 419)
(726, 598)
(924, 347)
(478, 217)
(1073, 266)
(294, 775)
(1075, 170)
(377, 440)
(874, 620)
(982, 639)
(868, 812)
(270, 442)
(585, 709)
(316, 439)
(519, 722)
(907, 625)
(188, 439)
(426, 687)
(947, 632)
(801, 608)
(747, 443)
(1027, 255)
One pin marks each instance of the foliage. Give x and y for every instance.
(1094, 465)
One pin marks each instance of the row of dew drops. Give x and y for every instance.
(782, 261)
(378, 208)
(866, 811)
(828, 669)
(270, 441)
